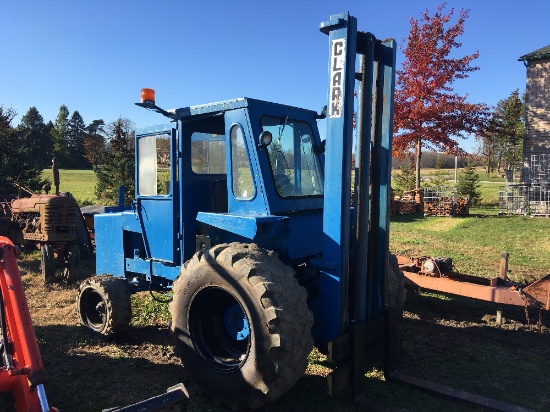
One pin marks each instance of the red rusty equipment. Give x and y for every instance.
(22, 374)
(437, 274)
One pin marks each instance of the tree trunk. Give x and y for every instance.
(489, 155)
(418, 156)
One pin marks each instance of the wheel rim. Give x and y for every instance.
(220, 329)
(93, 310)
(236, 322)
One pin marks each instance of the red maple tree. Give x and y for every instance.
(427, 113)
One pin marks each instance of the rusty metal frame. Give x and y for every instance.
(498, 289)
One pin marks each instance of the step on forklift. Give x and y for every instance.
(245, 214)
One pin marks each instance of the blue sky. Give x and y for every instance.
(95, 57)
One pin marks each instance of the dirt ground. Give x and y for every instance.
(453, 341)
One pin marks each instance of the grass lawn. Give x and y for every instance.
(80, 183)
(476, 242)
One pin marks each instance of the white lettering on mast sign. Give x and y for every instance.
(337, 77)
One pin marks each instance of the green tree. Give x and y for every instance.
(405, 180)
(439, 177)
(96, 127)
(488, 141)
(468, 183)
(117, 167)
(76, 131)
(502, 141)
(512, 130)
(59, 136)
(37, 137)
(94, 143)
(16, 165)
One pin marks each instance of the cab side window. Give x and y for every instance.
(243, 184)
(154, 165)
(208, 153)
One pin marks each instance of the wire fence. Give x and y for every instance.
(539, 169)
(524, 199)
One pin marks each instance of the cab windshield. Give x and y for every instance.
(294, 163)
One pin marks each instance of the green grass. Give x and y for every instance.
(150, 309)
(80, 183)
(475, 243)
(489, 192)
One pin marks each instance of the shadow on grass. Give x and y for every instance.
(455, 342)
(407, 218)
(86, 373)
(436, 305)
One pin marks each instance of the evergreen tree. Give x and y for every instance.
(16, 166)
(405, 180)
(59, 136)
(37, 137)
(502, 140)
(49, 128)
(94, 143)
(468, 183)
(96, 127)
(76, 131)
(511, 139)
(117, 167)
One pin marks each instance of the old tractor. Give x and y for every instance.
(51, 222)
(244, 213)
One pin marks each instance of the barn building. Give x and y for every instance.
(532, 195)
(536, 144)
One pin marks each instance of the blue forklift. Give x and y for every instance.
(270, 238)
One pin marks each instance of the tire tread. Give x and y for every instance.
(289, 321)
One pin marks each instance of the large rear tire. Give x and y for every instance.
(48, 263)
(104, 305)
(83, 236)
(242, 324)
(72, 262)
(395, 284)
(395, 298)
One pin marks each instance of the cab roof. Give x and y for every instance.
(223, 106)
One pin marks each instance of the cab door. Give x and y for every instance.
(157, 192)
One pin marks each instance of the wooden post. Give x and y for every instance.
(504, 276)
(504, 266)
(499, 317)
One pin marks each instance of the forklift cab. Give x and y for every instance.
(239, 170)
